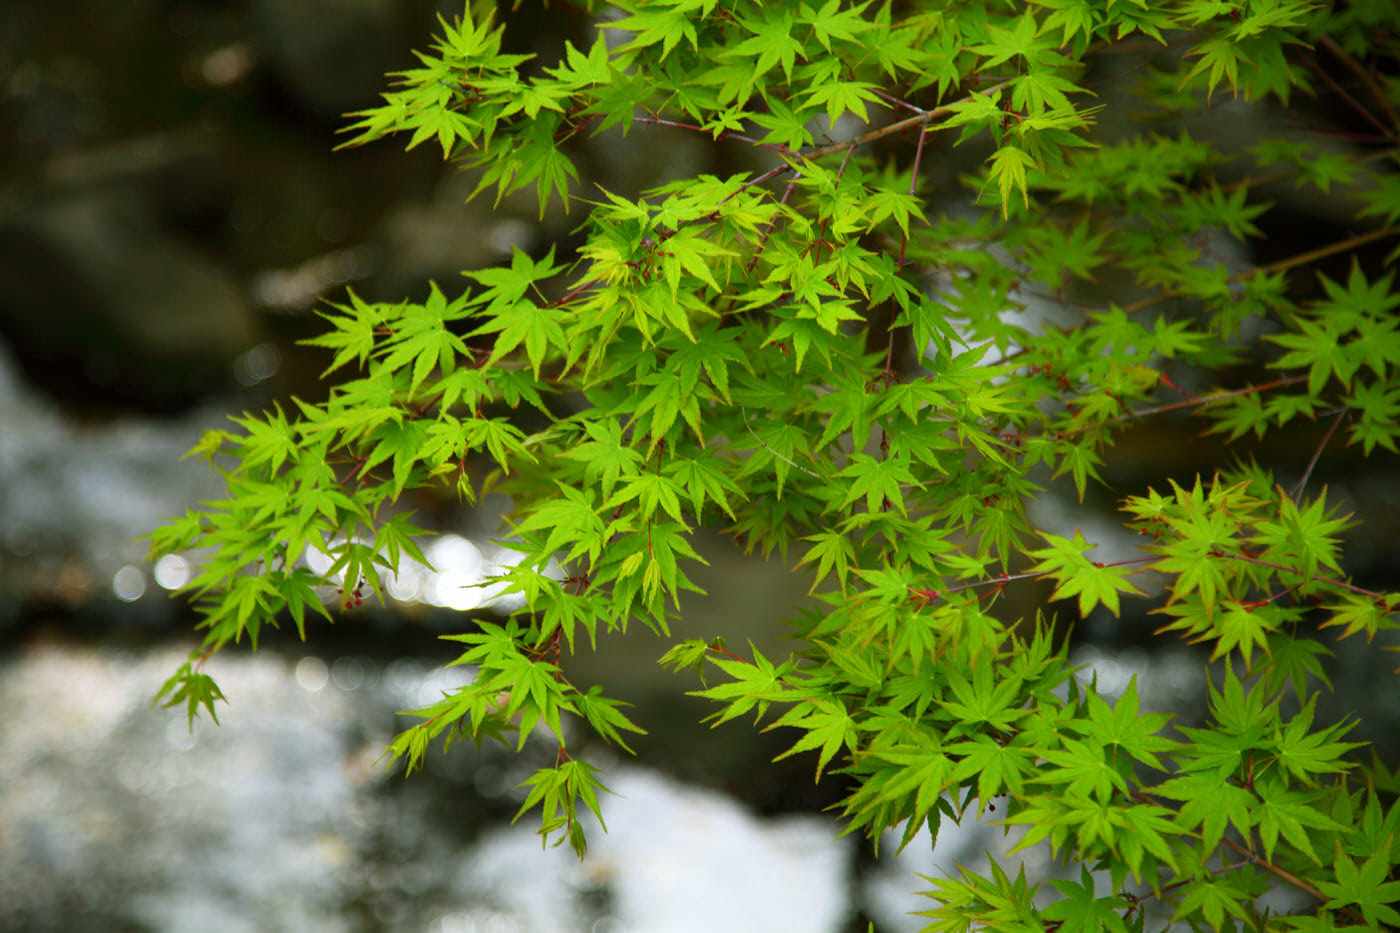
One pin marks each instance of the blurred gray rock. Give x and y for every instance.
(332, 55)
(93, 289)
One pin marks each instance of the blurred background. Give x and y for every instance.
(171, 213)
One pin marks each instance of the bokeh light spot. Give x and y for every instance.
(129, 583)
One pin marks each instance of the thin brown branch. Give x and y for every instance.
(919, 119)
(913, 190)
(1286, 875)
(1283, 265)
(725, 134)
(927, 596)
(1188, 403)
(1377, 92)
(1341, 92)
(1303, 482)
(717, 649)
(1263, 863)
(1330, 581)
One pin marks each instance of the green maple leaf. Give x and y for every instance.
(998, 768)
(1009, 167)
(1124, 727)
(880, 481)
(1210, 802)
(832, 551)
(1303, 755)
(1076, 575)
(1365, 887)
(606, 457)
(1084, 768)
(1290, 813)
(1213, 898)
(192, 688)
(1081, 911)
(829, 727)
(1003, 44)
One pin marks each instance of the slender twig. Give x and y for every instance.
(1330, 581)
(1337, 89)
(897, 101)
(1322, 252)
(725, 134)
(913, 188)
(1261, 862)
(1283, 265)
(1377, 92)
(1277, 596)
(1005, 578)
(846, 160)
(1288, 876)
(573, 293)
(745, 412)
(712, 646)
(926, 595)
(1193, 402)
(899, 126)
(1303, 482)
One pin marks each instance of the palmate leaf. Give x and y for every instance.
(193, 688)
(1009, 167)
(1288, 813)
(1302, 755)
(1221, 57)
(1245, 628)
(539, 329)
(752, 687)
(1366, 887)
(1122, 727)
(1076, 575)
(1293, 659)
(605, 716)
(829, 726)
(1355, 613)
(557, 792)
(705, 478)
(998, 769)
(1082, 911)
(1316, 346)
(1023, 40)
(1210, 804)
(1213, 899)
(879, 482)
(832, 551)
(354, 334)
(1084, 769)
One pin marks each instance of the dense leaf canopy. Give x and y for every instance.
(810, 355)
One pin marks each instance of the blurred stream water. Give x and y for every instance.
(117, 816)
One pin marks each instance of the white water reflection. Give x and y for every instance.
(172, 571)
(457, 576)
(129, 583)
(119, 816)
(312, 675)
(460, 575)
